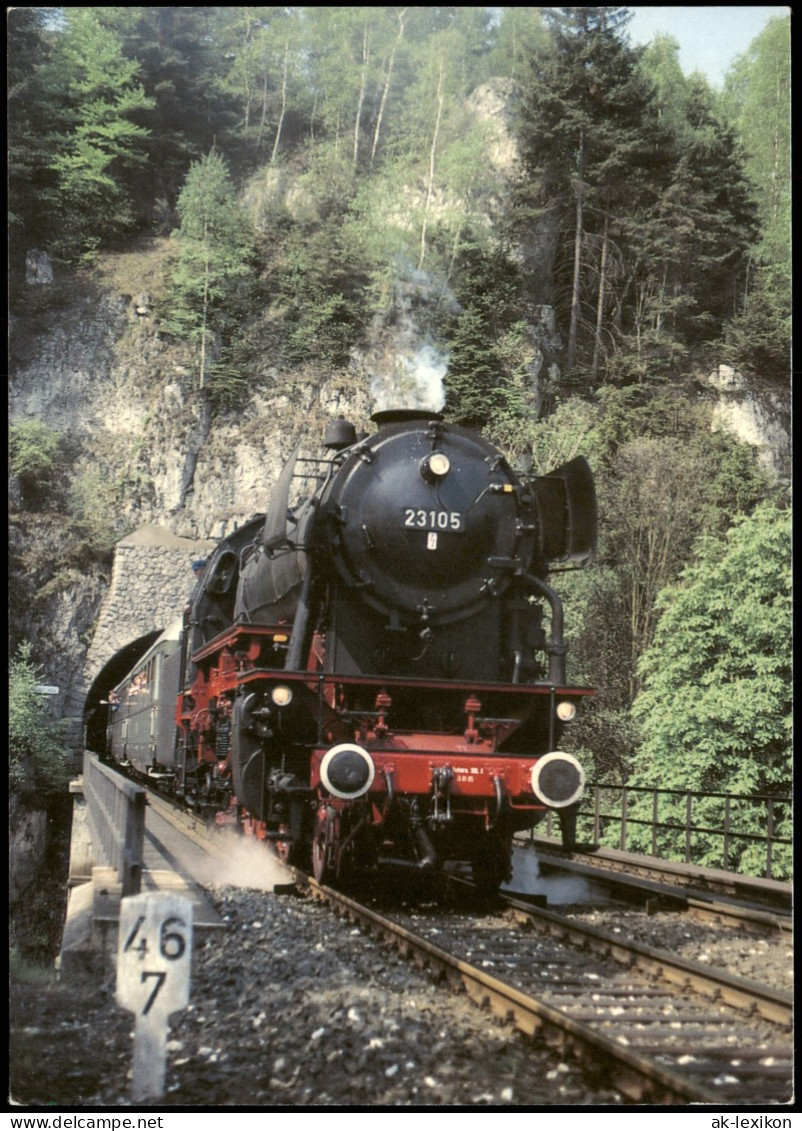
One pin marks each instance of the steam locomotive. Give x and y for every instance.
(362, 678)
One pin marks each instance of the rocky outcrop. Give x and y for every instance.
(493, 102)
(758, 413)
(90, 363)
(128, 402)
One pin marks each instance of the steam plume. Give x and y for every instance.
(249, 865)
(405, 367)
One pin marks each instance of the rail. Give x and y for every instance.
(115, 813)
(598, 998)
(713, 829)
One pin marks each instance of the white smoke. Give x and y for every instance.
(249, 864)
(411, 380)
(556, 887)
(404, 366)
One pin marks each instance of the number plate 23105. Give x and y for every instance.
(420, 518)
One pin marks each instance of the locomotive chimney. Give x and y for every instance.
(403, 416)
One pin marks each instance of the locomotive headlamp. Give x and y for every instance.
(566, 711)
(435, 466)
(558, 779)
(281, 695)
(347, 771)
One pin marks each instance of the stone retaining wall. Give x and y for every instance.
(151, 582)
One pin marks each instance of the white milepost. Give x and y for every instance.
(153, 963)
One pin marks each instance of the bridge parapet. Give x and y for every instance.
(115, 814)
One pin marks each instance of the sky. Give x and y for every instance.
(709, 38)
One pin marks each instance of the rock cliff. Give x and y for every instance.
(89, 362)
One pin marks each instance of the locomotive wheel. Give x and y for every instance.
(323, 844)
(283, 848)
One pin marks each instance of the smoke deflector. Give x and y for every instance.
(566, 504)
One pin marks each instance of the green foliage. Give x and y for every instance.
(715, 708)
(34, 452)
(492, 356)
(663, 479)
(758, 340)
(757, 95)
(541, 445)
(713, 203)
(604, 734)
(374, 109)
(29, 112)
(264, 47)
(661, 66)
(180, 54)
(688, 253)
(97, 520)
(36, 752)
(320, 290)
(207, 205)
(656, 499)
(647, 187)
(589, 140)
(99, 141)
(210, 278)
(521, 32)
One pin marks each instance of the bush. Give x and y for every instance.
(34, 451)
(96, 522)
(36, 751)
(716, 704)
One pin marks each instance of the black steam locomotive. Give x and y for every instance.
(363, 677)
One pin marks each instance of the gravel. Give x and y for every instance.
(768, 959)
(292, 1007)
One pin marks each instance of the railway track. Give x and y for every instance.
(661, 1029)
(704, 891)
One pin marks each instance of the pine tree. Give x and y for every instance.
(177, 50)
(717, 201)
(689, 246)
(758, 97)
(100, 141)
(30, 147)
(585, 137)
(481, 387)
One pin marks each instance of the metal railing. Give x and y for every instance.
(115, 813)
(609, 814)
